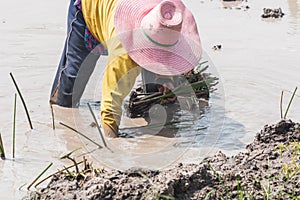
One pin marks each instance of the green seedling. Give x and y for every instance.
(290, 102)
(60, 171)
(71, 174)
(207, 196)
(2, 152)
(52, 114)
(281, 100)
(39, 175)
(281, 148)
(67, 156)
(22, 99)
(14, 127)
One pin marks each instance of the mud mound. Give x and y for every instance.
(268, 169)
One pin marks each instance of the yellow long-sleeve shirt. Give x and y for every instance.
(121, 70)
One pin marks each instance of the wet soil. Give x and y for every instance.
(267, 169)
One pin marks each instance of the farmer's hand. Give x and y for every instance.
(109, 132)
(118, 80)
(166, 89)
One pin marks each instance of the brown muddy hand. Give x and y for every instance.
(166, 88)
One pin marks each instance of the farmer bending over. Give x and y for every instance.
(158, 35)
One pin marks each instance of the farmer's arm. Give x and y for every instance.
(119, 78)
(99, 16)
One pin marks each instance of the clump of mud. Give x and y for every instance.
(268, 169)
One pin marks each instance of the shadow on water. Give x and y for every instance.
(208, 127)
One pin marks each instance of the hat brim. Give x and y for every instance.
(174, 60)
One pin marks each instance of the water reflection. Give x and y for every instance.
(202, 131)
(294, 21)
(230, 4)
(294, 8)
(238, 5)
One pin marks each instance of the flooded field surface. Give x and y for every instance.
(254, 58)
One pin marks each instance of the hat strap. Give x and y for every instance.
(157, 43)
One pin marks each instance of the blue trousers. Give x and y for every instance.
(76, 65)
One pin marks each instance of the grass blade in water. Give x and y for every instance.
(290, 102)
(2, 152)
(69, 154)
(39, 175)
(281, 99)
(97, 124)
(14, 127)
(52, 114)
(22, 99)
(80, 134)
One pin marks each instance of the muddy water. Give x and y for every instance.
(259, 58)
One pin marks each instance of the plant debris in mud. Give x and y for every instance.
(272, 13)
(268, 169)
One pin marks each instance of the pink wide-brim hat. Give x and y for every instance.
(159, 35)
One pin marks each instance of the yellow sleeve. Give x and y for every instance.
(99, 18)
(119, 78)
(121, 71)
